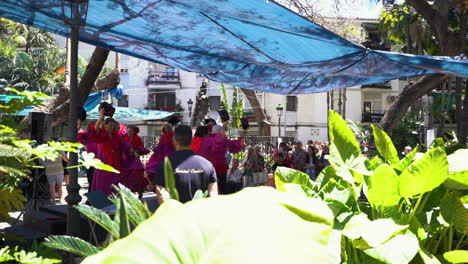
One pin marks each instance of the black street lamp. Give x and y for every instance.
(279, 109)
(190, 104)
(74, 14)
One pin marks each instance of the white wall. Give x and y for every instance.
(354, 104)
(134, 83)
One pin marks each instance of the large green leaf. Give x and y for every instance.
(382, 190)
(457, 256)
(406, 161)
(74, 245)
(325, 175)
(385, 145)
(100, 217)
(342, 137)
(400, 249)
(122, 218)
(252, 226)
(454, 212)
(334, 190)
(170, 179)
(137, 210)
(285, 175)
(365, 233)
(424, 174)
(428, 258)
(373, 163)
(457, 180)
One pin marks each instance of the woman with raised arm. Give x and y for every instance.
(110, 150)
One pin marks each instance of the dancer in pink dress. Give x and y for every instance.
(221, 146)
(110, 150)
(165, 148)
(135, 178)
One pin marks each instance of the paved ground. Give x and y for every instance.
(84, 189)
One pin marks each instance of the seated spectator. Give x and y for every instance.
(234, 177)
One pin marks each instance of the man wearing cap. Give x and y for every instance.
(299, 157)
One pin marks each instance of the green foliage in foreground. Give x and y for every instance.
(414, 211)
(256, 225)
(17, 160)
(17, 155)
(20, 256)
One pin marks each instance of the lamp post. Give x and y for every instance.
(279, 109)
(74, 14)
(190, 104)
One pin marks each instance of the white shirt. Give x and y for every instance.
(235, 176)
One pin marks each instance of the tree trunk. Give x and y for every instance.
(409, 96)
(91, 74)
(332, 100)
(264, 127)
(443, 111)
(201, 105)
(328, 116)
(344, 103)
(58, 104)
(464, 125)
(340, 102)
(458, 104)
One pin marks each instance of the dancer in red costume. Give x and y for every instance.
(221, 146)
(110, 149)
(135, 178)
(202, 143)
(165, 148)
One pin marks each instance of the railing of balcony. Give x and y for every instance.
(383, 85)
(373, 116)
(155, 77)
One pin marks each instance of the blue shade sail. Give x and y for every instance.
(255, 44)
(95, 98)
(132, 114)
(92, 105)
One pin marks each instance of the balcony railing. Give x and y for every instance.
(155, 77)
(382, 85)
(372, 117)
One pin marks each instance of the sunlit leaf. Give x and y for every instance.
(400, 249)
(457, 256)
(74, 245)
(383, 189)
(385, 145)
(424, 174)
(185, 233)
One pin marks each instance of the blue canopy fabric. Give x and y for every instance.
(132, 114)
(95, 98)
(254, 44)
(121, 113)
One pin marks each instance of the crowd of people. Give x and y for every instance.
(310, 160)
(204, 161)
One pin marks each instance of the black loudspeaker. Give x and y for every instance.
(41, 127)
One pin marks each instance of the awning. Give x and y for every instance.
(121, 113)
(132, 114)
(255, 44)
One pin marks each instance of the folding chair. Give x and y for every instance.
(99, 200)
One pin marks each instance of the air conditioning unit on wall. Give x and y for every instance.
(391, 98)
